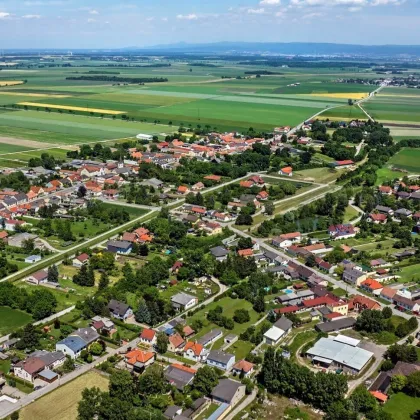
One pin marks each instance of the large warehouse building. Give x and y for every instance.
(341, 352)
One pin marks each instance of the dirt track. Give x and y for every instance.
(26, 143)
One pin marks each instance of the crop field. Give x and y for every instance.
(395, 105)
(70, 108)
(407, 159)
(11, 319)
(67, 396)
(11, 148)
(344, 113)
(10, 82)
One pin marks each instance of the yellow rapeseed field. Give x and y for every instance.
(349, 95)
(11, 82)
(71, 108)
(35, 95)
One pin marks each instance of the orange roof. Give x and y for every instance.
(246, 184)
(145, 238)
(188, 330)
(245, 252)
(372, 284)
(213, 177)
(139, 356)
(287, 170)
(184, 368)
(364, 302)
(195, 347)
(141, 231)
(379, 396)
(290, 235)
(176, 340)
(147, 334)
(3, 234)
(182, 188)
(244, 366)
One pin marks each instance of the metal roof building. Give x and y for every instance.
(328, 351)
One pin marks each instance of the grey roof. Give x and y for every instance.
(48, 374)
(182, 298)
(404, 212)
(119, 244)
(287, 296)
(305, 293)
(283, 323)
(336, 325)
(344, 354)
(219, 251)
(118, 308)
(48, 357)
(178, 377)
(226, 389)
(383, 209)
(88, 334)
(205, 339)
(172, 411)
(220, 356)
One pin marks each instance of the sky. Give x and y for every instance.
(139, 23)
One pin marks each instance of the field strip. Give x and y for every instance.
(71, 108)
(347, 95)
(11, 82)
(25, 143)
(35, 95)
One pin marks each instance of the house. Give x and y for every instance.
(179, 375)
(3, 236)
(284, 324)
(80, 260)
(175, 268)
(176, 343)
(401, 214)
(32, 259)
(377, 218)
(71, 346)
(119, 310)
(37, 363)
(119, 247)
(182, 189)
(262, 195)
(243, 367)
(103, 325)
(340, 164)
(388, 294)
(38, 278)
(183, 301)
(220, 359)
(148, 336)
(245, 253)
(137, 360)
(11, 224)
(210, 337)
(360, 303)
(219, 253)
(341, 231)
(228, 392)
(406, 303)
(384, 210)
(214, 178)
(195, 351)
(287, 239)
(353, 276)
(385, 190)
(287, 171)
(341, 324)
(197, 187)
(372, 286)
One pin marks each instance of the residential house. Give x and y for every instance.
(179, 375)
(195, 351)
(406, 303)
(388, 294)
(228, 392)
(220, 359)
(341, 231)
(287, 239)
(38, 278)
(103, 325)
(377, 218)
(137, 360)
(119, 310)
(210, 337)
(176, 343)
(71, 346)
(219, 253)
(360, 303)
(182, 189)
(80, 260)
(384, 210)
(183, 301)
(119, 247)
(32, 259)
(286, 171)
(401, 214)
(243, 367)
(385, 190)
(372, 286)
(353, 276)
(148, 337)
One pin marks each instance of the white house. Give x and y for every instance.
(38, 278)
(183, 301)
(195, 351)
(287, 239)
(220, 359)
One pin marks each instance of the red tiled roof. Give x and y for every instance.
(286, 309)
(147, 334)
(244, 366)
(372, 284)
(176, 340)
(245, 252)
(195, 347)
(140, 356)
(184, 368)
(344, 162)
(378, 217)
(287, 170)
(83, 257)
(379, 396)
(323, 300)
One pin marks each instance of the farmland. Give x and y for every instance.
(11, 319)
(68, 396)
(407, 160)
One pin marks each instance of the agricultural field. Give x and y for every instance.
(226, 96)
(406, 159)
(12, 319)
(68, 397)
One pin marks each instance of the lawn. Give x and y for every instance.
(229, 306)
(6, 148)
(319, 175)
(401, 406)
(61, 404)
(240, 349)
(208, 411)
(406, 159)
(409, 273)
(12, 319)
(350, 214)
(301, 339)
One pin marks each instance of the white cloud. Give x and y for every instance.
(150, 19)
(322, 3)
(387, 2)
(269, 2)
(164, 19)
(312, 15)
(256, 11)
(93, 12)
(44, 3)
(31, 16)
(4, 15)
(191, 16)
(354, 9)
(90, 20)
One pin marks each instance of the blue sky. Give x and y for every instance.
(113, 24)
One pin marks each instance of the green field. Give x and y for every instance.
(6, 148)
(12, 319)
(407, 159)
(401, 406)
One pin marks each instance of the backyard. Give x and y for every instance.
(12, 319)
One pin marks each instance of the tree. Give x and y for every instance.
(96, 349)
(403, 353)
(68, 365)
(362, 401)
(14, 415)
(162, 343)
(103, 281)
(398, 382)
(41, 303)
(387, 312)
(241, 316)
(53, 274)
(259, 304)
(205, 380)
(29, 339)
(370, 321)
(269, 208)
(121, 386)
(413, 384)
(143, 314)
(89, 404)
